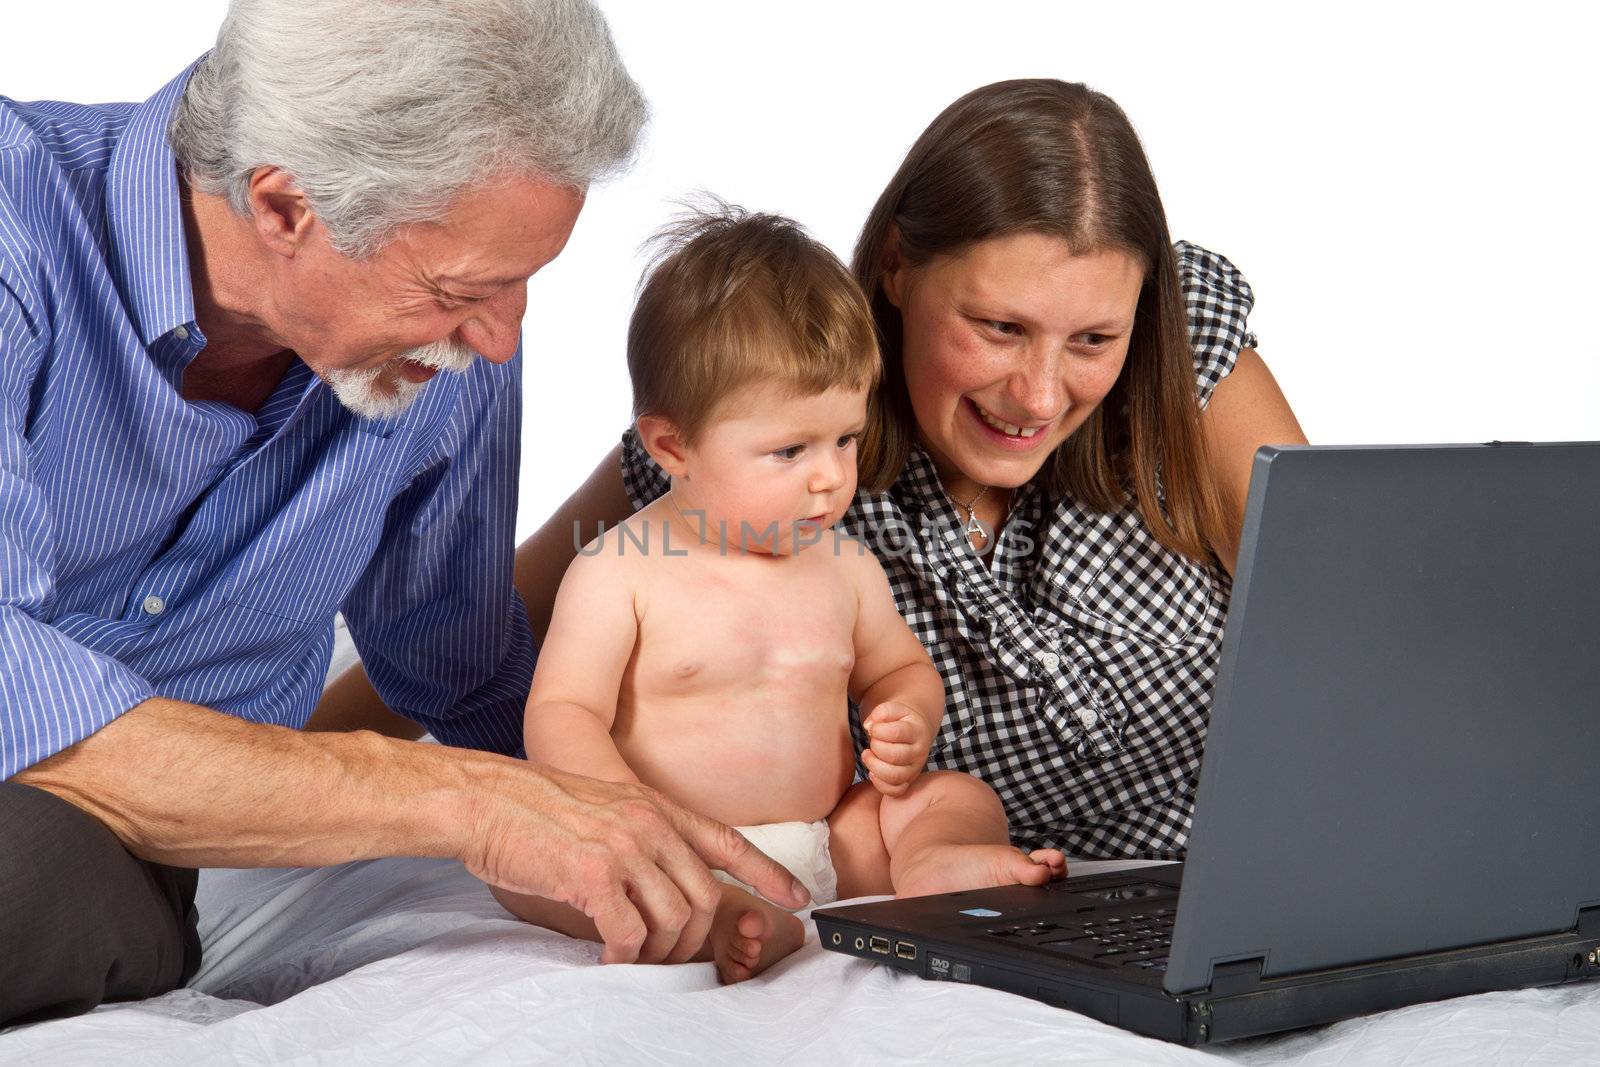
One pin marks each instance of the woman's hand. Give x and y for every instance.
(900, 741)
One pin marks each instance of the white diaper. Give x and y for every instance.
(800, 846)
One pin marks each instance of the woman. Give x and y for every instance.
(1055, 468)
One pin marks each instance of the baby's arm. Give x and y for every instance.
(571, 709)
(573, 702)
(897, 686)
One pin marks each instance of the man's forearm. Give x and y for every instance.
(185, 785)
(188, 786)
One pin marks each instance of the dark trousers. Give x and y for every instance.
(83, 920)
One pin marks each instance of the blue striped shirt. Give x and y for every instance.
(150, 546)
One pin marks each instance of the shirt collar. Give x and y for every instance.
(918, 485)
(145, 219)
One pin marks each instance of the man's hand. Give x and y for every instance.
(252, 795)
(899, 749)
(623, 854)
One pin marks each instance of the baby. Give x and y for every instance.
(708, 646)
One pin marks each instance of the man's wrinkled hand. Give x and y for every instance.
(623, 854)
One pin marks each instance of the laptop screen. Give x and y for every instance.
(1400, 756)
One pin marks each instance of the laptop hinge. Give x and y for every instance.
(1237, 976)
(1589, 921)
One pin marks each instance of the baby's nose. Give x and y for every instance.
(827, 477)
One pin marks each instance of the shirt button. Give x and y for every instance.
(154, 605)
(1088, 719)
(1049, 661)
(181, 333)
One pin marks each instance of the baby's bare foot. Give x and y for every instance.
(748, 935)
(949, 868)
(1052, 858)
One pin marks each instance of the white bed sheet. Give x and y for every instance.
(411, 961)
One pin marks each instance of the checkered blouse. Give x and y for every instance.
(1078, 662)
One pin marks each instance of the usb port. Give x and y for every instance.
(905, 950)
(880, 945)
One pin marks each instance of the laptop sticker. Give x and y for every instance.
(981, 913)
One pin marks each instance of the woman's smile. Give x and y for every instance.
(1009, 436)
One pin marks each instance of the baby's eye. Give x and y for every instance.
(790, 453)
(848, 439)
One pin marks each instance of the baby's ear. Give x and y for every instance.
(664, 443)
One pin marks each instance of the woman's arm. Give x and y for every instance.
(543, 558)
(350, 702)
(1247, 410)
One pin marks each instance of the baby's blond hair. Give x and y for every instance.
(734, 298)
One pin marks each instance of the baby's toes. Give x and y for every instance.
(1023, 870)
(730, 971)
(754, 926)
(1052, 858)
(740, 951)
(745, 950)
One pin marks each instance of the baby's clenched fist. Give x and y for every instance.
(900, 739)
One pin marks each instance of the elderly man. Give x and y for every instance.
(223, 317)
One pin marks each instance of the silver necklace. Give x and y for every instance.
(975, 526)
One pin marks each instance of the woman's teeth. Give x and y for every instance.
(1006, 427)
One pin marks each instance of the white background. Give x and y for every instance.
(1410, 189)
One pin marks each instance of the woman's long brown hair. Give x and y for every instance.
(1045, 156)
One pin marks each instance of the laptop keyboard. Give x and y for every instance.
(1141, 939)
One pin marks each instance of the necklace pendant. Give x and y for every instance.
(976, 528)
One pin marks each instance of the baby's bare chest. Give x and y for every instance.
(709, 627)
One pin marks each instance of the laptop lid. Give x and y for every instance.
(1402, 755)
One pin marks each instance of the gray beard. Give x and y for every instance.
(380, 393)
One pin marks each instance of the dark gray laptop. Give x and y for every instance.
(1400, 795)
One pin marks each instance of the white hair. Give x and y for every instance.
(384, 110)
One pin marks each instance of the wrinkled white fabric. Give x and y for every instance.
(800, 846)
(404, 961)
(411, 961)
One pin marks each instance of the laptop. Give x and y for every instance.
(1398, 799)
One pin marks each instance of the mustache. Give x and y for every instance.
(447, 354)
(360, 392)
